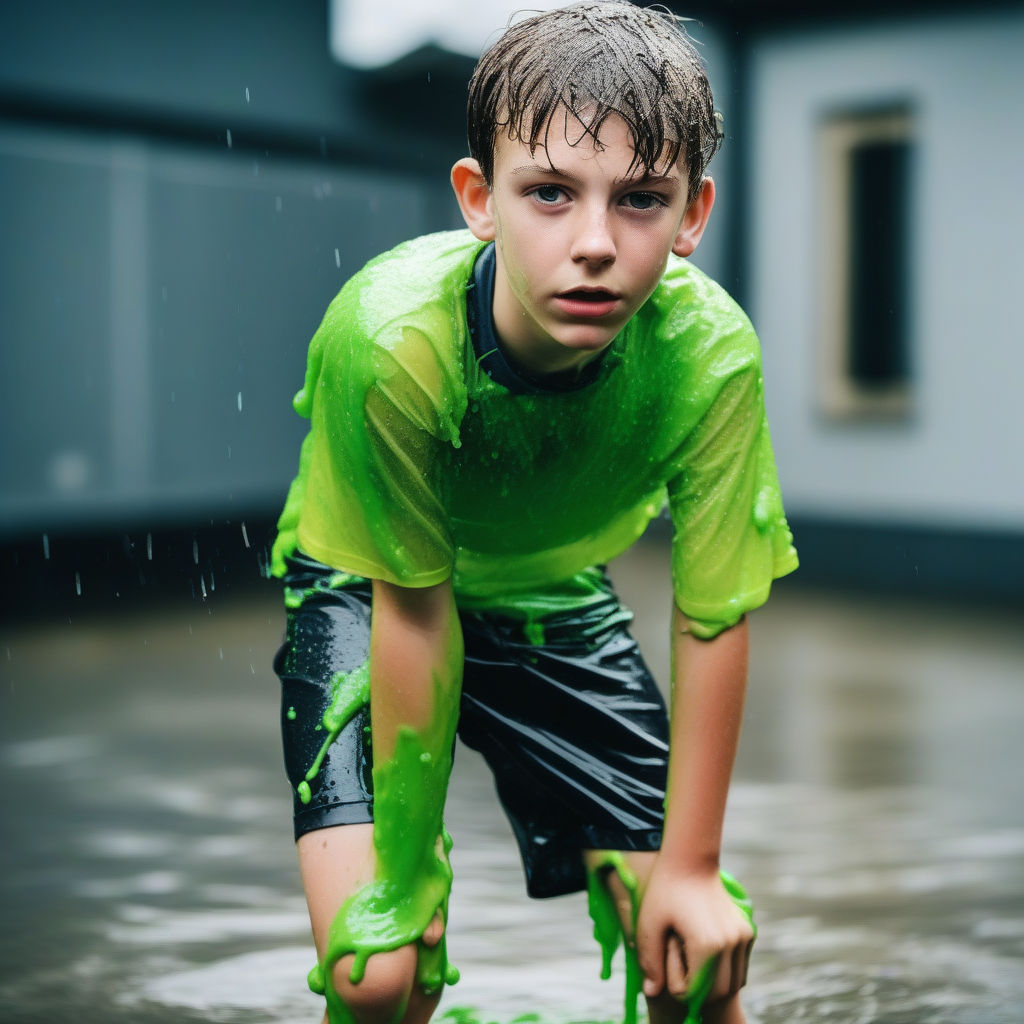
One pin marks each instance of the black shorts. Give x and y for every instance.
(574, 730)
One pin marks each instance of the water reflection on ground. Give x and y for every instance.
(147, 872)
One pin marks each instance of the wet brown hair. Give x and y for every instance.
(595, 60)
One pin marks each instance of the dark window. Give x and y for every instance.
(867, 166)
(878, 285)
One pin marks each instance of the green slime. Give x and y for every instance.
(609, 933)
(413, 876)
(350, 691)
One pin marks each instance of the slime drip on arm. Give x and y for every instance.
(412, 876)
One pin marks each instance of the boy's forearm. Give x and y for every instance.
(416, 657)
(415, 674)
(708, 689)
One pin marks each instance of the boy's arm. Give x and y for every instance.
(415, 665)
(685, 900)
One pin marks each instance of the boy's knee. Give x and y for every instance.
(382, 994)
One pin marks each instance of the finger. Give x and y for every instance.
(721, 986)
(700, 979)
(651, 954)
(746, 961)
(675, 967)
(739, 966)
(434, 931)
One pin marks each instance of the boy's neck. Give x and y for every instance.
(493, 353)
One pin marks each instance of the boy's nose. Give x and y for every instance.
(593, 242)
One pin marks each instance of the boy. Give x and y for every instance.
(496, 414)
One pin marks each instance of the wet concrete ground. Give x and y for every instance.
(147, 872)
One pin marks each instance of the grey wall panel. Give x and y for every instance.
(55, 285)
(158, 302)
(245, 255)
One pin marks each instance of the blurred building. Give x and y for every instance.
(184, 186)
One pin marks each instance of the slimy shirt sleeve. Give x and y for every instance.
(730, 533)
(382, 416)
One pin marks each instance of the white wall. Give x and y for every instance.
(957, 461)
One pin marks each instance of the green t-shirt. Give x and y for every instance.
(418, 466)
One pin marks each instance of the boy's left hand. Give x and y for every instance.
(686, 918)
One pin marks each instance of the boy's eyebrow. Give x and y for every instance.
(660, 180)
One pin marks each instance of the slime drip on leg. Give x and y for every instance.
(350, 691)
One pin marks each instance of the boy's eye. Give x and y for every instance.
(642, 200)
(548, 194)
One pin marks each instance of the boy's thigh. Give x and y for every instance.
(327, 634)
(576, 733)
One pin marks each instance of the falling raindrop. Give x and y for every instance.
(245, 535)
(229, 138)
(149, 547)
(46, 546)
(337, 258)
(247, 94)
(239, 401)
(229, 453)
(78, 584)
(220, 651)
(277, 203)
(195, 551)
(213, 584)
(202, 587)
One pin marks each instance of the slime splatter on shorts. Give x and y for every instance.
(574, 729)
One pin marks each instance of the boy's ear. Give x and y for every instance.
(474, 198)
(695, 220)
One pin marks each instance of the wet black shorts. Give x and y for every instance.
(574, 730)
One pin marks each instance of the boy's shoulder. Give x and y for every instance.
(686, 290)
(398, 328)
(417, 284)
(697, 320)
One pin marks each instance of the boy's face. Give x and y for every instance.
(581, 239)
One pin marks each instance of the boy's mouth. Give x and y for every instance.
(587, 302)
